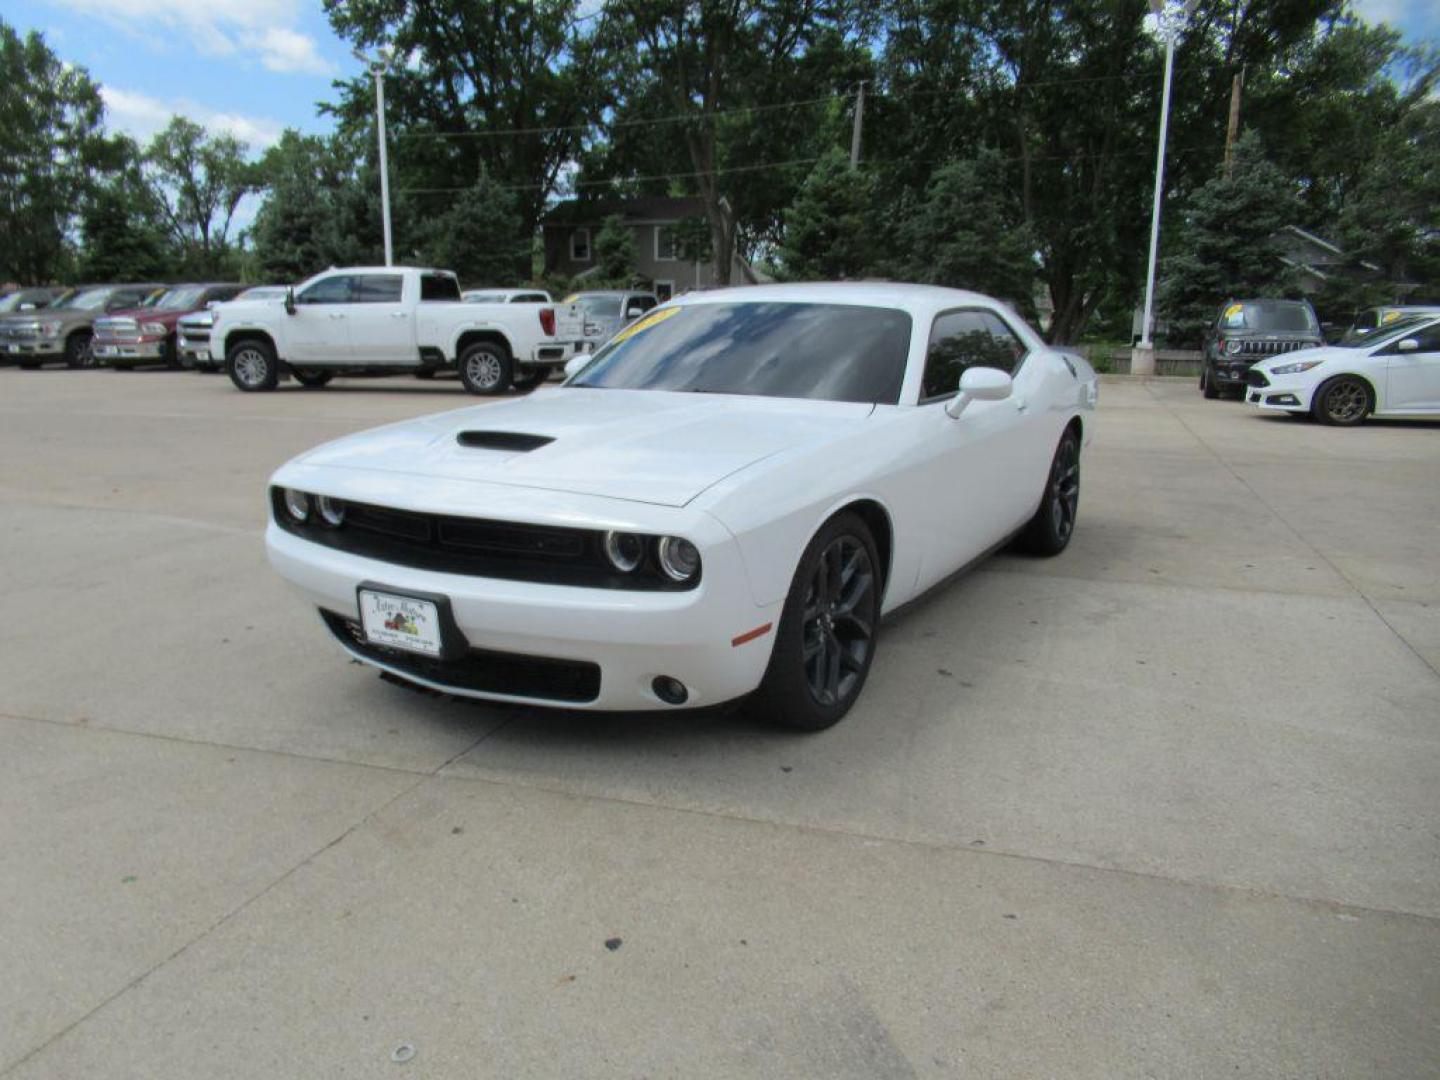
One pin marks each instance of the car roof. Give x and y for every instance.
(871, 293)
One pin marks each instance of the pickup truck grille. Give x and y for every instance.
(117, 330)
(18, 332)
(475, 547)
(193, 334)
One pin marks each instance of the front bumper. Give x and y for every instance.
(1279, 397)
(129, 350)
(26, 350)
(1229, 373)
(633, 637)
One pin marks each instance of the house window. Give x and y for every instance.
(665, 243)
(580, 245)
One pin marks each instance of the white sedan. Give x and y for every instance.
(1392, 372)
(723, 502)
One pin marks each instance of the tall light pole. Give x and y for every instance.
(1170, 18)
(378, 65)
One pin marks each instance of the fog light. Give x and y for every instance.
(671, 691)
(297, 503)
(332, 511)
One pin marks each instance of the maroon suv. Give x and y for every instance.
(146, 335)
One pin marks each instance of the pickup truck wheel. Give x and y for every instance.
(79, 350)
(170, 353)
(312, 380)
(485, 368)
(252, 366)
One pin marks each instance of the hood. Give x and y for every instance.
(637, 445)
(168, 316)
(1318, 352)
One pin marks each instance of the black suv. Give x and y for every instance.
(1249, 330)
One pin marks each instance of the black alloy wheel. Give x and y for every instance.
(1049, 531)
(80, 350)
(828, 630)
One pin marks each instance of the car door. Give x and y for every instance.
(382, 324)
(1412, 376)
(319, 331)
(979, 466)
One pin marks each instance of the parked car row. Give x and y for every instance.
(344, 321)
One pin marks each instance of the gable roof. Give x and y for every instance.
(639, 208)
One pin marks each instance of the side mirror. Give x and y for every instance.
(979, 384)
(575, 363)
(289, 301)
(634, 311)
(1408, 344)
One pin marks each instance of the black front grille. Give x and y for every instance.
(1272, 348)
(1256, 377)
(476, 547)
(482, 670)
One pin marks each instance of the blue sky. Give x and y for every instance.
(255, 67)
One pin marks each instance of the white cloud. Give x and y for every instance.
(264, 30)
(141, 116)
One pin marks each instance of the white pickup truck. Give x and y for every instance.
(386, 320)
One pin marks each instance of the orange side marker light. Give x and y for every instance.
(751, 635)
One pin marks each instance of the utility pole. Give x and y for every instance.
(378, 67)
(859, 124)
(1232, 130)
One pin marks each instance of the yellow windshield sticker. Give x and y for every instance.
(644, 324)
(1233, 310)
(1390, 316)
(571, 298)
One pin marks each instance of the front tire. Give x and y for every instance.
(828, 629)
(1207, 385)
(486, 368)
(1343, 401)
(79, 350)
(1049, 531)
(252, 366)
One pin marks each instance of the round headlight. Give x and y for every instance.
(624, 550)
(297, 504)
(678, 558)
(332, 511)
(1232, 346)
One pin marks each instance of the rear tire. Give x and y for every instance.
(252, 366)
(828, 630)
(1049, 531)
(1343, 401)
(486, 368)
(312, 380)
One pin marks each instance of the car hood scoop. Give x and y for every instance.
(513, 441)
(638, 445)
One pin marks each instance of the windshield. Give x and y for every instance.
(826, 352)
(182, 299)
(89, 300)
(1269, 315)
(604, 307)
(1396, 328)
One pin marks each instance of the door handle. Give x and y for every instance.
(337, 314)
(399, 314)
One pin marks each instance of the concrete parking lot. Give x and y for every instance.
(1168, 805)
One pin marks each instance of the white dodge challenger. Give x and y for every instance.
(723, 502)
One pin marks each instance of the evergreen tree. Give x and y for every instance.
(830, 231)
(615, 250)
(1224, 247)
(967, 232)
(479, 237)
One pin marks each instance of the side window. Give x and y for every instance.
(228, 292)
(438, 287)
(1429, 339)
(1367, 320)
(330, 290)
(376, 289)
(645, 302)
(125, 298)
(960, 340)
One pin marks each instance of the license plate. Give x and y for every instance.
(106, 350)
(401, 622)
(202, 354)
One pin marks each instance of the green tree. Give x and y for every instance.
(122, 234)
(615, 252)
(51, 143)
(1224, 248)
(830, 229)
(199, 180)
(480, 237)
(968, 232)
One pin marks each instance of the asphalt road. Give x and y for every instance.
(1164, 806)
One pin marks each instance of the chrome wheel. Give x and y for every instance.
(484, 370)
(1065, 489)
(252, 366)
(838, 621)
(1346, 402)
